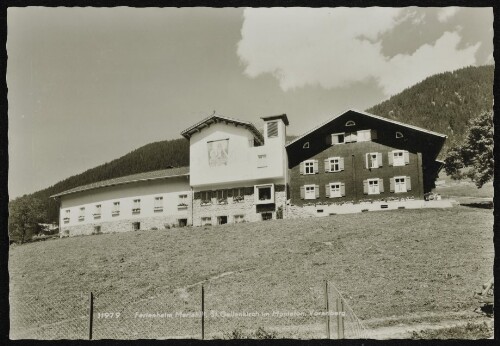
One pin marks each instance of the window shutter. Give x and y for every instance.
(342, 189)
(341, 163)
(390, 156)
(302, 192)
(365, 187)
(381, 185)
(334, 139)
(407, 157)
(379, 159)
(327, 165)
(408, 184)
(391, 187)
(373, 134)
(327, 190)
(367, 166)
(315, 166)
(316, 190)
(302, 168)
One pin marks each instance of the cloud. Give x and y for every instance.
(446, 13)
(337, 47)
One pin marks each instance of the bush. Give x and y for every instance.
(279, 212)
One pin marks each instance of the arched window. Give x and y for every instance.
(306, 145)
(350, 123)
(399, 134)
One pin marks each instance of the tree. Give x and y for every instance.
(24, 215)
(474, 157)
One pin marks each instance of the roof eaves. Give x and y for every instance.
(95, 186)
(370, 115)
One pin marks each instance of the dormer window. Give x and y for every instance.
(272, 129)
(306, 145)
(399, 134)
(350, 123)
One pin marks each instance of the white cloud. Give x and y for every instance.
(446, 13)
(327, 47)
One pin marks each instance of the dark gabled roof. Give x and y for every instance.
(369, 115)
(274, 117)
(213, 119)
(152, 175)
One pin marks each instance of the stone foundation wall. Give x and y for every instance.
(126, 225)
(245, 207)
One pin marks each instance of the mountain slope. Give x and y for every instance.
(153, 156)
(444, 103)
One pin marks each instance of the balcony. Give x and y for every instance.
(81, 218)
(158, 209)
(182, 206)
(115, 213)
(136, 210)
(66, 220)
(97, 215)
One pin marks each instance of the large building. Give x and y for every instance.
(358, 161)
(354, 162)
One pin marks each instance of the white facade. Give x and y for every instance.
(172, 191)
(245, 162)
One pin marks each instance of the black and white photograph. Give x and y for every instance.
(250, 173)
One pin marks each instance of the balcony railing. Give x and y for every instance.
(136, 210)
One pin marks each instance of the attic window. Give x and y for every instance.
(306, 145)
(350, 123)
(399, 135)
(272, 129)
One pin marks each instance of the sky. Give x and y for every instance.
(88, 85)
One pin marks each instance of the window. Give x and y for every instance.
(373, 186)
(81, 216)
(158, 206)
(309, 167)
(206, 197)
(97, 229)
(183, 201)
(350, 123)
(116, 209)
(338, 138)
(97, 211)
(399, 158)
(239, 218)
(272, 129)
(267, 216)
(400, 184)
(221, 220)
(306, 145)
(310, 192)
(373, 160)
(136, 226)
(136, 209)
(206, 221)
(222, 196)
(67, 214)
(335, 190)
(334, 164)
(264, 194)
(364, 136)
(238, 194)
(399, 134)
(261, 161)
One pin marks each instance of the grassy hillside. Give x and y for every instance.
(444, 102)
(394, 267)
